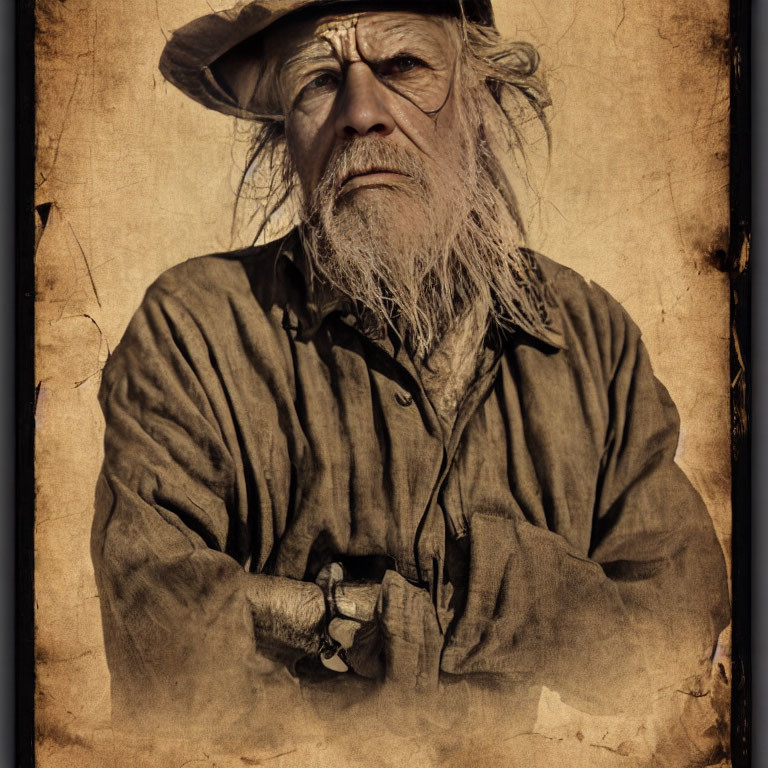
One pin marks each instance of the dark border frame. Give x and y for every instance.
(26, 391)
(737, 263)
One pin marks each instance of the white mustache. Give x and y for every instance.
(364, 170)
(370, 155)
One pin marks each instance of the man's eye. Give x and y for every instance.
(405, 63)
(400, 65)
(321, 81)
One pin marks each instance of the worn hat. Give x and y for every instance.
(205, 58)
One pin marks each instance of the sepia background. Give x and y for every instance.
(132, 178)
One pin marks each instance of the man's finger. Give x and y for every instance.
(343, 631)
(356, 601)
(329, 576)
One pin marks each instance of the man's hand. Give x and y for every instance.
(357, 629)
(355, 625)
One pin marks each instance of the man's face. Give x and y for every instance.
(375, 75)
(383, 117)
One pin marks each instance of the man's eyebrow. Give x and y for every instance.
(309, 51)
(417, 31)
(402, 34)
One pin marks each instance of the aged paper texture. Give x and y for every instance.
(133, 178)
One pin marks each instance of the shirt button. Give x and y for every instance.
(403, 398)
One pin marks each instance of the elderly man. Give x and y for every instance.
(394, 450)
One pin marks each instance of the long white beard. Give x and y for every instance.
(421, 254)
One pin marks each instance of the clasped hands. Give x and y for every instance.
(353, 633)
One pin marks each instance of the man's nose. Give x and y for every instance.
(362, 110)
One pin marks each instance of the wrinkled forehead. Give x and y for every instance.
(336, 33)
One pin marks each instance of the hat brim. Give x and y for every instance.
(189, 59)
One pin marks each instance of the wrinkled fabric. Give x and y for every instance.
(255, 429)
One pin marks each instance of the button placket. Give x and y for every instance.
(403, 398)
(425, 548)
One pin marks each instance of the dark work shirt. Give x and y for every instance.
(256, 426)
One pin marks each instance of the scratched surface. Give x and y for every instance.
(133, 178)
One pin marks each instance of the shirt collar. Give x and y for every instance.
(314, 300)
